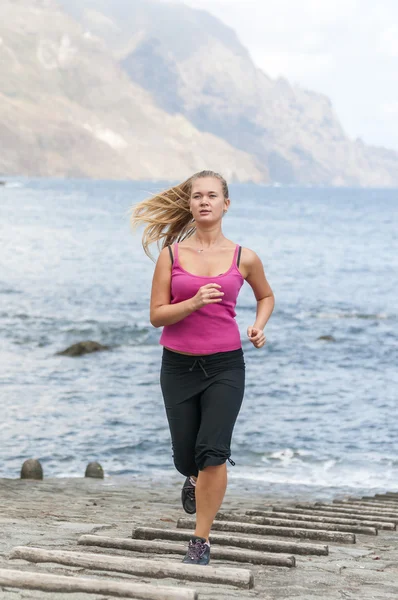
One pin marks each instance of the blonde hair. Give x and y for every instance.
(167, 215)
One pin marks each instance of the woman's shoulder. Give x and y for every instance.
(249, 262)
(166, 256)
(248, 255)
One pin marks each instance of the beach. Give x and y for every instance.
(54, 513)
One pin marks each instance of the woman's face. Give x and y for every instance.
(207, 203)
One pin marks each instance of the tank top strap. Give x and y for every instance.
(237, 255)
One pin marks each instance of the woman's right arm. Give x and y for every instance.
(161, 311)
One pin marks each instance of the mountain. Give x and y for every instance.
(149, 89)
(67, 108)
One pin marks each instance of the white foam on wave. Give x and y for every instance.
(292, 466)
(286, 455)
(350, 315)
(70, 474)
(13, 184)
(324, 474)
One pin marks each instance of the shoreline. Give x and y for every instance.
(54, 513)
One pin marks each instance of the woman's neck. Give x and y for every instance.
(208, 238)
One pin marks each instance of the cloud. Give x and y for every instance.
(281, 63)
(390, 109)
(389, 42)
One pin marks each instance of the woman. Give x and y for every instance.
(195, 287)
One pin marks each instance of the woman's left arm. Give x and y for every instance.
(253, 271)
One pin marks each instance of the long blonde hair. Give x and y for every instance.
(167, 215)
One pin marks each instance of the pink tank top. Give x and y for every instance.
(211, 328)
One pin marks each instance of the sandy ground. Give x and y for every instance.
(54, 513)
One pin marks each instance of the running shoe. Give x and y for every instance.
(198, 552)
(188, 497)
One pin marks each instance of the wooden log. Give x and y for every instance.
(362, 504)
(290, 522)
(149, 546)
(377, 498)
(60, 583)
(321, 519)
(382, 506)
(336, 513)
(151, 533)
(309, 534)
(382, 498)
(393, 506)
(371, 502)
(393, 495)
(241, 578)
(369, 514)
(361, 508)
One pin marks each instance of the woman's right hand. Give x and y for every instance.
(207, 294)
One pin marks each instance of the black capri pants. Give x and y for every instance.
(202, 397)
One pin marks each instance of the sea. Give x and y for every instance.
(320, 413)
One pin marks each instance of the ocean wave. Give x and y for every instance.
(7, 290)
(13, 184)
(302, 467)
(349, 315)
(23, 328)
(328, 474)
(286, 455)
(295, 314)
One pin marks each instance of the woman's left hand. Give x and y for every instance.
(256, 336)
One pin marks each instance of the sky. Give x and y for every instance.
(346, 49)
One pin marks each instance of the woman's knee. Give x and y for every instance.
(206, 456)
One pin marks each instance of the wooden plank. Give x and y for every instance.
(309, 534)
(330, 513)
(149, 546)
(390, 496)
(368, 514)
(393, 495)
(44, 582)
(314, 516)
(386, 506)
(372, 502)
(241, 578)
(151, 533)
(290, 522)
(361, 508)
(381, 498)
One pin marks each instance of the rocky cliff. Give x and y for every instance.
(67, 108)
(155, 90)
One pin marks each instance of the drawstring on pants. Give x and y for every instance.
(201, 363)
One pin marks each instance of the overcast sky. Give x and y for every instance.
(346, 49)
